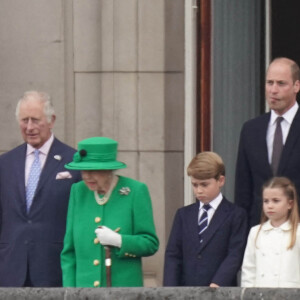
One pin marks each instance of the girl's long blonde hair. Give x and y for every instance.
(289, 190)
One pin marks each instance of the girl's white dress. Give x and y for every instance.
(269, 263)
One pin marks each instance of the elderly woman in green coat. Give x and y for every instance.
(107, 214)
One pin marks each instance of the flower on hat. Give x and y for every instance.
(124, 191)
(78, 155)
(82, 153)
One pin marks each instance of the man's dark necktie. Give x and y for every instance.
(277, 146)
(203, 222)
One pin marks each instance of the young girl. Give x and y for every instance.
(272, 256)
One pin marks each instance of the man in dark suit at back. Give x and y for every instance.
(270, 144)
(34, 194)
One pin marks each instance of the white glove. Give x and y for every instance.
(108, 237)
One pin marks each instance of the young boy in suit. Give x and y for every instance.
(208, 238)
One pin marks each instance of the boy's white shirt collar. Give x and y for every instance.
(214, 203)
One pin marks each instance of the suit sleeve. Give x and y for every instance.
(249, 262)
(231, 264)
(243, 177)
(68, 258)
(174, 255)
(143, 241)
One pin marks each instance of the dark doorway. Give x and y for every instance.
(285, 34)
(204, 77)
(285, 26)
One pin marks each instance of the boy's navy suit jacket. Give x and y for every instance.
(217, 259)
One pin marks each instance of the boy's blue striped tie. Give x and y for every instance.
(203, 222)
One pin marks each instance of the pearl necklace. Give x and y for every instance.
(105, 198)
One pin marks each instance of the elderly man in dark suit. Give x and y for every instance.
(270, 144)
(34, 194)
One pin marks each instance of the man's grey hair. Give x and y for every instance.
(38, 96)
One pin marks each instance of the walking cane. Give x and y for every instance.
(108, 265)
(108, 262)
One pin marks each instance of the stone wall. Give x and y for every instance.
(184, 293)
(113, 68)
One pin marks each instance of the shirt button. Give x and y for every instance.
(96, 241)
(96, 262)
(96, 283)
(199, 256)
(97, 219)
(29, 221)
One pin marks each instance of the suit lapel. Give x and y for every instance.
(292, 138)
(19, 167)
(192, 221)
(218, 219)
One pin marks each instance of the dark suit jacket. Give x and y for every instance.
(253, 168)
(35, 239)
(217, 259)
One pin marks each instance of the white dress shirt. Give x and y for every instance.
(286, 123)
(44, 150)
(214, 205)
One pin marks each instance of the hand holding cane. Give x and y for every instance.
(108, 238)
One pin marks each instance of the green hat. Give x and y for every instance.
(96, 153)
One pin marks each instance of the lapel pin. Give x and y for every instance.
(57, 157)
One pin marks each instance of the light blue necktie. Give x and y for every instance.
(33, 179)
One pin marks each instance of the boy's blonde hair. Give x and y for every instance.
(289, 190)
(206, 165)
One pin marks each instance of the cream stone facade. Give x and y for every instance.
(113, 68)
